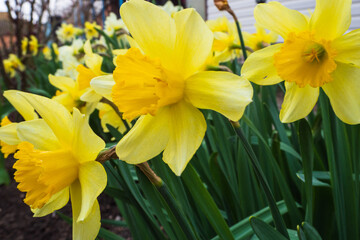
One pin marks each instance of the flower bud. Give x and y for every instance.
(222, 5)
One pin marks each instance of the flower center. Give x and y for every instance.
(303, 59)
(43, 173)
(142, 85)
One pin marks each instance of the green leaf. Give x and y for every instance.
(315, 181)
(307, 155)
(243, 230)
(310, 232)
(265, 231)
(205, 202)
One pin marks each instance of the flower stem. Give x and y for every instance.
(104, 100)
(242, 42)
(169, 199)
(278, 220)
(107, 154)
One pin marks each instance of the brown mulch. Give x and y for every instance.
(17, 223)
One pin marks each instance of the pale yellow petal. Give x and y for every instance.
(193, 42)
(90, 96)
(93, 178)
(187, 131)
(152, 28)
(65, 99)
(92, 60)
(8, 134)
(146, 139)
(344, 93)
(103, 85)
(55, 115)
(39, 134)
(259, 66)
(298, 102)
(23, 107)
(88, 228)
(223, 92)
(65, 84)
(348, 48)
(331, 19)
(86, 144)
(275, 17)
(57, 201)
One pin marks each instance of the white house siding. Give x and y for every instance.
(244, 10)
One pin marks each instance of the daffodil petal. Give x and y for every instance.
(57, 201)
(103, 85)
(8, 134)
(55, 115)
(92, 60)
(279, 19)
(223, 92)
(86, 144)
(147, 139)
(193, 38)
(89, 227)
(331, 19)
(298, 102)
(93, 180)
(90, 96)
(152, 28)
(65, 84)
(66, 100)
(38, 133)
(344, 93)
(187, 131)
(348, 48)
(259, 66)
(23, 107)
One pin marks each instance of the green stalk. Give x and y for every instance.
(169, 199)
(278, 220)
(307, 155)
(334, 175)
(242, 43)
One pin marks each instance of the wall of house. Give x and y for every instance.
(244, 11)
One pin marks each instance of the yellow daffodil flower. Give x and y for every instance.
(47, 53)
(225, 38)
(66, 33)
(24, 44)
(6, 149)
(86, 74)
(112, 24)
(9, 139)
(69, 94)
(12, 64)
(164, 83)
(170, 8)
(108, 115)
(90, 31)
(260, 39)
(33, 45)
(71, 56)
(58, 161)
(315, 54)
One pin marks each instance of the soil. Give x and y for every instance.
(17, 223)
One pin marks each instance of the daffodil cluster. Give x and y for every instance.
(147, 75)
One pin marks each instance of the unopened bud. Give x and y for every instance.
(222, 5)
